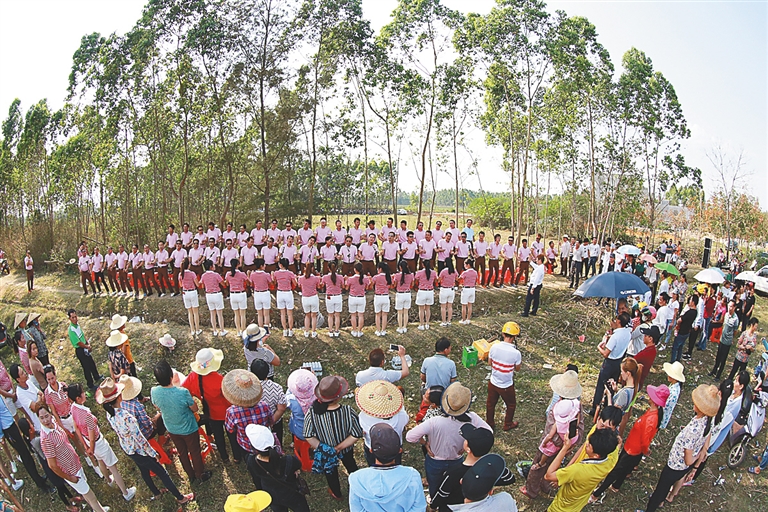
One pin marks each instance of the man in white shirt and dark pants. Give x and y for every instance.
(576, 262)
(534, 287)
(565, 252)
(613, 350)
(593, 250)
(505, 360)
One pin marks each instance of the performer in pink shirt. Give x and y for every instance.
(287, 232)
(243, 235)
(479, 252)
(189, 286)
(446, 280)
(551, 258)
(382, 282)
(237, 282)
(270, 254)
(136, 260)
(186, 237)
(332, 283)
(162, 259)
(322, 231)
(213, 232)
(212, 253)
(427, 249)
(446, 248)
(356, 232)
(196, 258)
(389, 250)
(402, 233)
(328, 253)
(29, 266)
(98, 265)
(149, 272)
(339, 235)
(262, 299)
(494, 253)
(357, 284)
(177, 257)
(368, 252)
(438, 233)
(508, 253)
(409, 251)
(310, 301)
(462, 251)
(172, 236)
(259, 235)
(285, 280)
(387, 229)
(304, 233)
(248, 255)
(84, 264)
(425, 297)
(419, 234)
(468, 281)
(273, 232)
(200, 237)
(122, 271)
(110, 263)
(372, 230)
(290, 252)
(212, 282)
(403, 284)
(524, 255)
(348, 255)
(229, 234)
(453, 230)
(308, 253)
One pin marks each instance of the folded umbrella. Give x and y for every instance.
(612, 285)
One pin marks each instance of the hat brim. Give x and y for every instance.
(115, 326)
(213, 366)
(244, 397)
(653, 394)
(99, 394)
(343, 390)
(670, 370)
(386, 408)
(116, 342)
(449, 409)
(256, 337)
(132, 391)
(563, 390)
(20, 317)
(33, 316)
(704, 402)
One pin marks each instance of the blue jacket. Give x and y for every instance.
(386, 489)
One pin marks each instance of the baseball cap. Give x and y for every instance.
(385, 443)
(652, 331)
(480, 440)
(480, 478)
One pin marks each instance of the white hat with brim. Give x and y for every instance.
(167, 341)
(254, 333)
(20, 317)
(566, 410)
(116, 338)
(207, 360)
(117, 322)
(566, 385)
(131, 387)
(675, 370)
(33, 316)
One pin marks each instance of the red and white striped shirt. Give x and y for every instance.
(55, 445)
(84, 421)
(58, 400)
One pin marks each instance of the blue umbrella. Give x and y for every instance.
(612, 285)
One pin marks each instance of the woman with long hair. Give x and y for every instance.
(262, 299)
(332, 283)
(382, 282)
(212, 282)
(310, 301)
(446, 281)
(625, 397)
(286, 282)
(425, 297)
(189, 286)
(357, 284)
(403, 285)
(238, 299)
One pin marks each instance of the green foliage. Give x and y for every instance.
(492, 211)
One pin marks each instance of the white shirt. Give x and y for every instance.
(663, 315)
(537, 276)
(578, 253)
(24, 397)
(377, 373)
(397, 422)
(565, 249)
(619, 342)
(503, 358)
(593, 250)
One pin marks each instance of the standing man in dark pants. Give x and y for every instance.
(83, 351)
(565, 253)
(505, 359)
(730, 324)
(534, 287)
(577, 257)
(12, 434)
(612, 349)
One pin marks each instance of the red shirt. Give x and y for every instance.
(284, 278)
(237, 282)
(380, 286)
(58, 400)
(355, 288)
(211, 281)
(188, 280)
(642, 433)
(469, 278)
(447, 279)
(309, 285)
(424, 283)
(260, 280)
(330, 288)
(406, 285)
(646, 358)
(84, 421)
(217, 404)
(55, 445)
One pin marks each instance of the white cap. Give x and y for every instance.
(260, 437)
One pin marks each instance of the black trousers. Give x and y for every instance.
(692, 337)
(20, 445)
(720, 359)
(575, 273)
(89, 367)
(348, 459)
(215, 428)
(610, 370)
(149, 464)
(737, 368)
(667, 479)
(625, 465)
(532, 298)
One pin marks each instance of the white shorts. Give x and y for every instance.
(425, 297)
(310, 304)
(467, 295)
(446, 295)
(103, 452)
(238, 301)
(284, 300)
(9, 403)
(356, 304)
(262, 300)
(68, 423)
(402, 301)
(333, 304)
(81, 486)
(215, 301)
(190, 299)
(381, 304)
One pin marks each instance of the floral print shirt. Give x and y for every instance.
(131, 439)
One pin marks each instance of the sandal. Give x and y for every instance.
(754, 470)
(186, 499)
(524, 491)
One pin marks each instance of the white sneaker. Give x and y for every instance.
(426, 326)
(17, 484)
(290, 333)
(215, 333)
(162, 295)
(15, 469)
(106, 508)
(223, 333)
(306, 334)
(405, 330)
(98, 472)
(198, 332)
(422, 328)
(443, 324)
(111, 481)
(383, 333)
(314, 334)
(130, 494)
(285, 332)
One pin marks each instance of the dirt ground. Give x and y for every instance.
(551, 338)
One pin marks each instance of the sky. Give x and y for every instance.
(714, 53)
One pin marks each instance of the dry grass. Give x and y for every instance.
(551, 337)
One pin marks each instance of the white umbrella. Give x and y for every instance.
(710, 276)
(629, 249)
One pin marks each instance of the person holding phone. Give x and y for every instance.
(376, 370)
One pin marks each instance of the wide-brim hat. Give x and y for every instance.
(20, 317)
(32, 316)
(456, 399)
(566, 385)
(379, 398)
(254, 333)
(167, 341)
(566, 410)
(658, 394)
(675, 370)
(108, 390)
(706, 400)
(207, 360)
(242, 388)
(252, 502)
(131, 386)
(117, 321)
(331, 388)
(302, 383)
(116, 338)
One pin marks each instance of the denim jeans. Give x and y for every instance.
(677, 348)
(764, 459)
(434, 469)
(705, 334)
(668, 332)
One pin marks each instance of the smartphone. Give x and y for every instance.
(393, 347)
(572, 426)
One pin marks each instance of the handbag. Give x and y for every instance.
(203, 420)
(301, 485)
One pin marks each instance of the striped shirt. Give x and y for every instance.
(55, 445)
(333, 427)
(58, 400)
(85, 421)
(503, 358)
(273, 395)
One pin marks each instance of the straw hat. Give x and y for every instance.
(242, 388)
(253, 502)
(116, 338)
(32, 316)
(675, 370)
(456, 399)
(706, 400)
(167, 341)
(658, 394)
(131, 387)
(331, 388)
(108, 391)
(379, 398)
(566, 385)
(117, 321)
(20, 317)
(207, 360)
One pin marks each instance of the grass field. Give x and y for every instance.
(549, 338)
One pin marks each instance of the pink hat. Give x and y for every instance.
(658, 394)
(653, 312)
(566, 411)
(302, 384)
